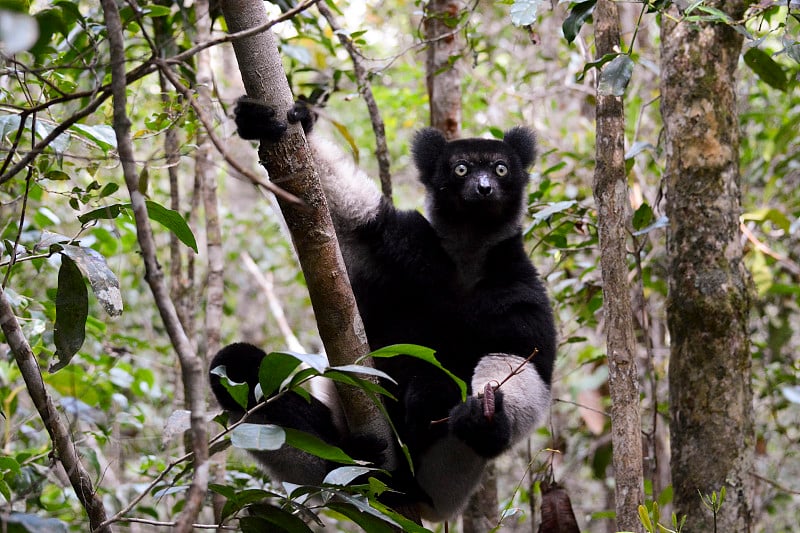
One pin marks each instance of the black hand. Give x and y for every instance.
(488, 436)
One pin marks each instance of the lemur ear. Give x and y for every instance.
(523, 141)
(427, 147)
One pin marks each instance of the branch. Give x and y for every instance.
(613, 220)
(364, 87)
(192, 367)
(103, 92)
(290, 162)
(65, 450)
(265, 281)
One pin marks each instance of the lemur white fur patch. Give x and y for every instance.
(449, 472)
(353, 198)
(526, 397)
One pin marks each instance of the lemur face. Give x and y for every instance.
(476, 180)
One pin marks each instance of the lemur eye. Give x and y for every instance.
(501, 170)
(460, 170)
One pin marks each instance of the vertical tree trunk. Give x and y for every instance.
(442, 76)
(290, 165)
(709, 374)
(613, 219)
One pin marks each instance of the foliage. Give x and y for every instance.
(65, 220)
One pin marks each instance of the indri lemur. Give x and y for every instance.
(457, 280)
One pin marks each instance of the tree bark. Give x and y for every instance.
(613, 220)
(290, 165)
(192, 367)
(711, 423)
(63, 446)
(442, 76)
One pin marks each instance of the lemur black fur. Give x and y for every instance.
(457, 280)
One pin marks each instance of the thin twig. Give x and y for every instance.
(101, 93)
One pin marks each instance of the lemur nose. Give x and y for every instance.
(484, 186)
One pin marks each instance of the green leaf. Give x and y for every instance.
(315, 446)
(419, 352)
(271, 518)
(770, 214)
(102, 135)
(642, 216)
(524, 12)
(615, 76)
(102, 213)
(644, 517)
(344, 475)
(102, 280)
(72, 308)
(552, 209)
(365, 384)
(275, 368)
(173, 221)
(109, 189)
(579, 13)
(258, 436)
(238, 391)
(766, 68)
(368, 521)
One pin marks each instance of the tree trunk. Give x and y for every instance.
(613, 220)
(709, 374)
(442, 76)
(291, 167)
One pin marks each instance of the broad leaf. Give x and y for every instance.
(72, 308)
(275, 368)
(344, 475)
(316, 446)
(258, 436)
(579, 13)
(103, 281)
(173, 221)
(102, 135)
(766, 68)
(270, 518)
(642, 216)
(170, 219)
(238, 391)
(524, 12)
(615, 76)
(419, 352)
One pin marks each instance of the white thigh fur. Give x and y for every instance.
(526, 397)
(353, 198)
(449, 472)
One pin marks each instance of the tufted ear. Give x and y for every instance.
(523, 142)
(427, 147)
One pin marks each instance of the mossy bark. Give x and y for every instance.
(709, 290)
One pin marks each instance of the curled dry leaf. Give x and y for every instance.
(557, 513)
(488, 402)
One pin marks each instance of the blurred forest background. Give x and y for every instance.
(108, 363)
